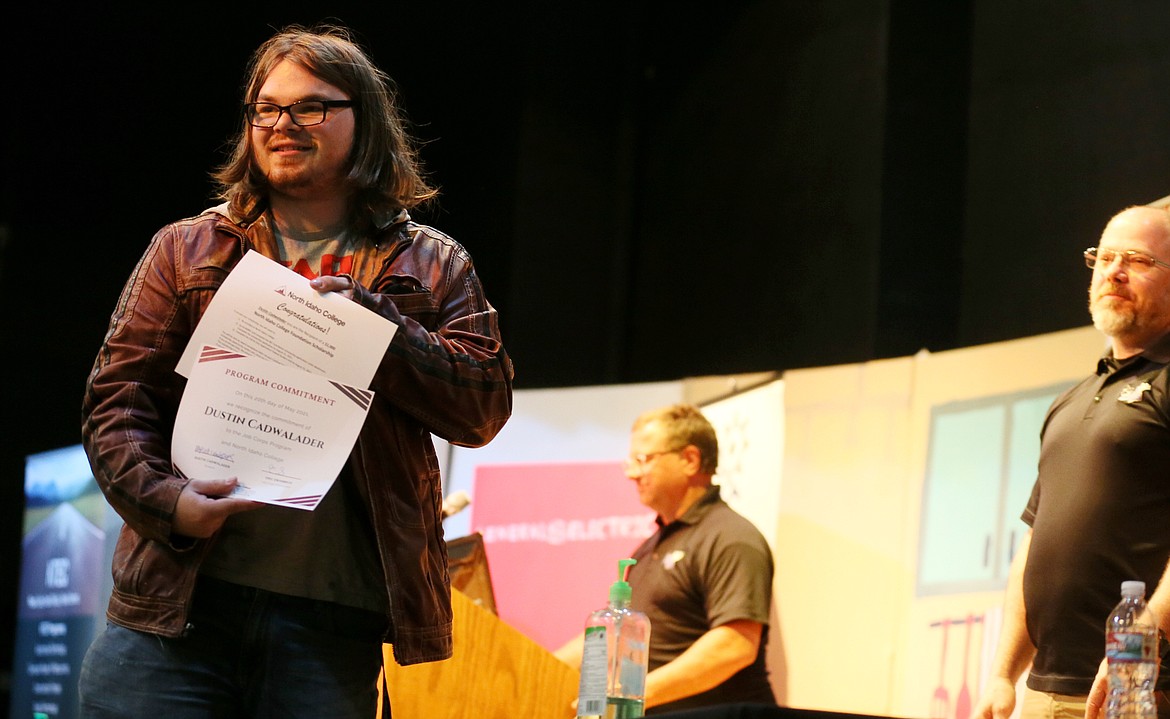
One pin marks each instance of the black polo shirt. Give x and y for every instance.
(1100, 515)
(707, 568)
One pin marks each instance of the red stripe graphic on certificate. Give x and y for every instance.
(306, 501)
(360, 397)
(211, 354)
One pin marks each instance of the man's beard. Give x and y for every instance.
(287, 181)
(1113, 322)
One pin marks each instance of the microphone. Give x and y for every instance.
(455, 503)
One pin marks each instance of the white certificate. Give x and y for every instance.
(284, 433)
(265, 310)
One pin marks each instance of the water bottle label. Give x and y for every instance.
(1130, 646)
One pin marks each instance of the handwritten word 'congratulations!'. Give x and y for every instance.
(263, 427)
(307, 319)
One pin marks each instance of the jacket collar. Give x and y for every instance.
(382, 221)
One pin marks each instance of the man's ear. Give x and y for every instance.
(693, 458)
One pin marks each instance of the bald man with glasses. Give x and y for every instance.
(1099, 513)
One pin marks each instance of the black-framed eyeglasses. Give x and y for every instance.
(1131, 259)
(639, 462)
(303, 113)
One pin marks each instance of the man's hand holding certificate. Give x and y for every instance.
(283, 432)
(271, 396)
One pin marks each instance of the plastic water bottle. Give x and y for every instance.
(1131, 652)
(617, 651)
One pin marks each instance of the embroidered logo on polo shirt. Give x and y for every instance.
(1130, 394)
(672, 559)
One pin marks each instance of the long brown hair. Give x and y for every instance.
(384, 170)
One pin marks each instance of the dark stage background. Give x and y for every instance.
(651, 189)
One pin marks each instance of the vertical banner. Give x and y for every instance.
(64, 581)
(553, 534)
(750, 427)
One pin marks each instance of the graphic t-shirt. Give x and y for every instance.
(329, 553)
(314, 254)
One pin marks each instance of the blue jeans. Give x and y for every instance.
(248, 653)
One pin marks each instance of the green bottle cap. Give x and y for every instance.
(619, 591)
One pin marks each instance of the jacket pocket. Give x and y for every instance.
(412, 298)
(207, 277)
(402, 471)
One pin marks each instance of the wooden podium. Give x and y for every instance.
(495, 672)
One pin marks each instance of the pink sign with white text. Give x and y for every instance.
(553, 535)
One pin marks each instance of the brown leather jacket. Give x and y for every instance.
(445, 372)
